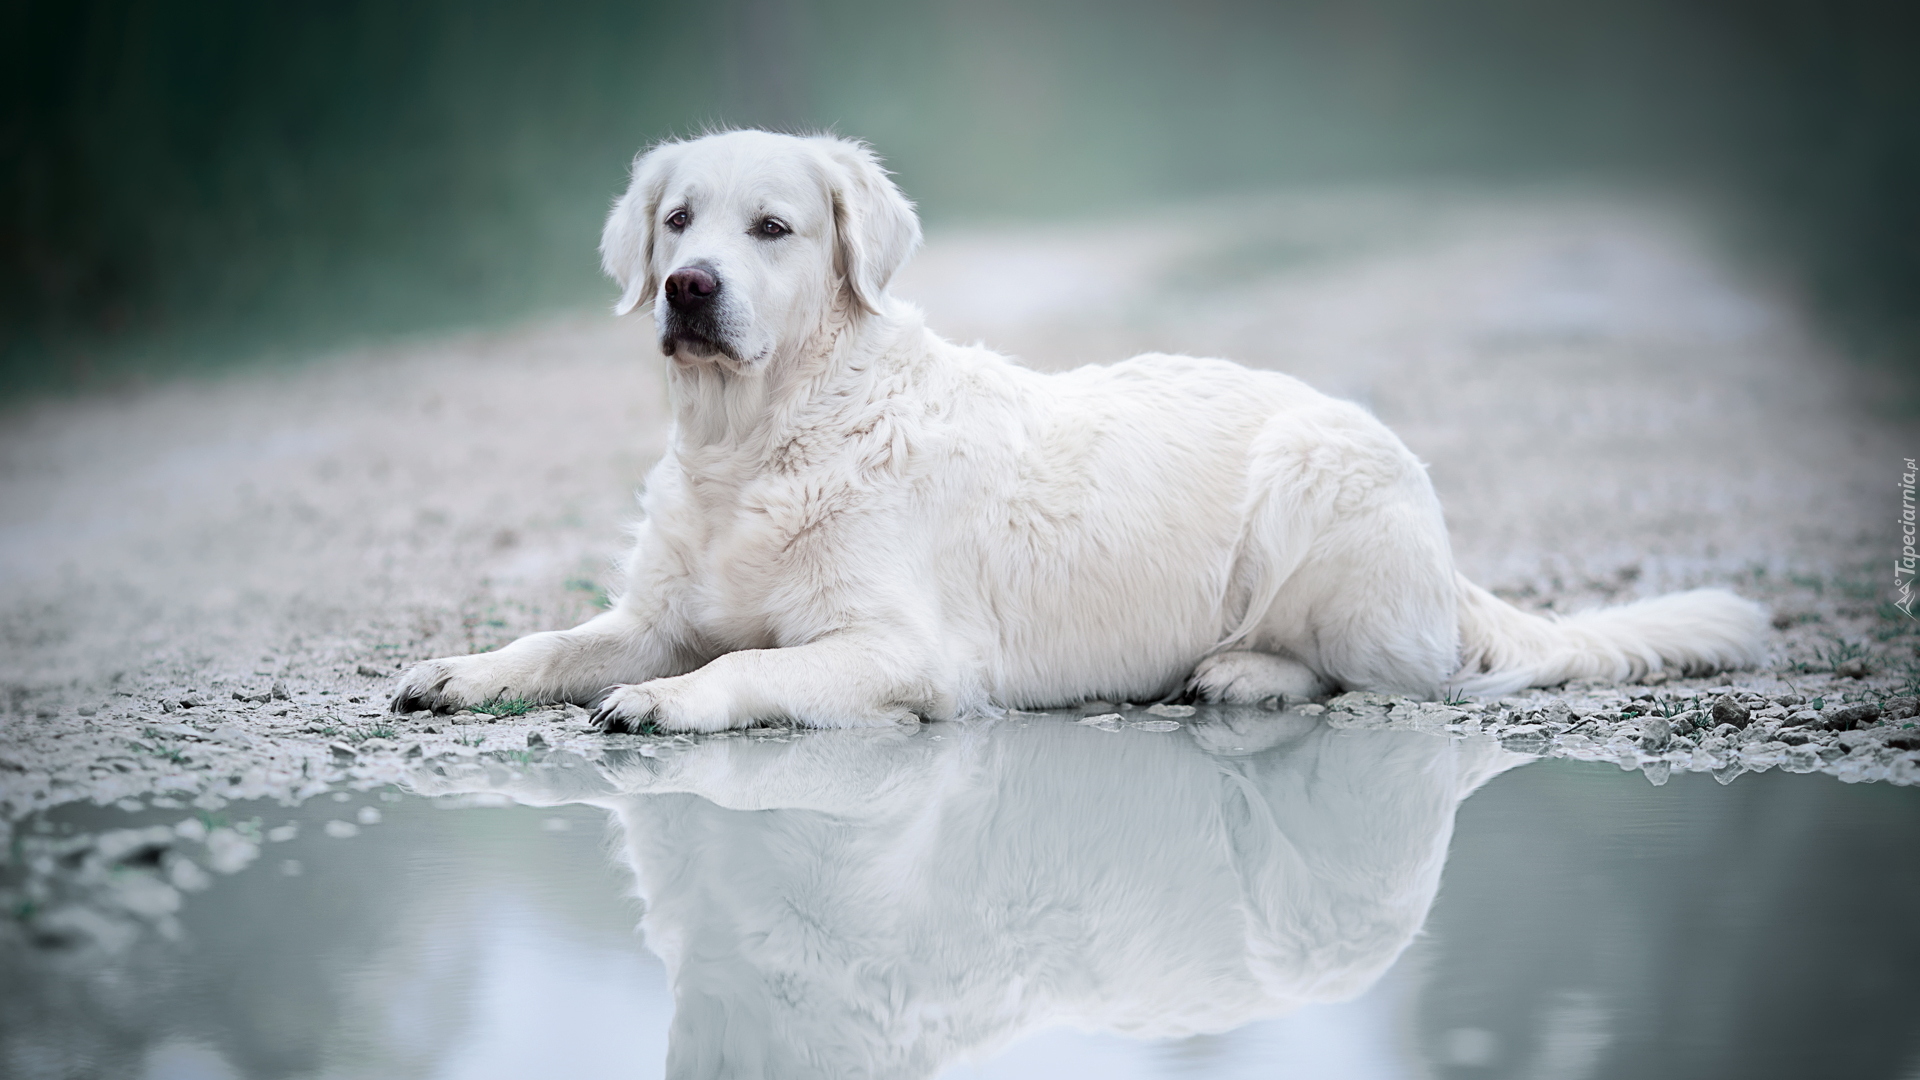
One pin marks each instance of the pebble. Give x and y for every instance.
(1729, 711)
(1848, 717)
(1655, 733)
(1856, 668)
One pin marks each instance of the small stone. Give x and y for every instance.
(279, 691)
(1783, 620)
(342, 752)
(1901, 708)
(1803, 718)
(187, 876)
(1848, 717)
(88, 710)
(1655, 733)
(1525, 739)
(1655, 678)
(414, 753)
(1729, 711)
(1794, 738)
(228, 852)
(1905, 740)
(536, 741)
(1170, 710)
(1856, 668)
(371, 672)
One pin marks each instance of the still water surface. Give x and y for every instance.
(1242, 896)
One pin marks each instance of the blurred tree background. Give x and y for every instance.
(191, 182)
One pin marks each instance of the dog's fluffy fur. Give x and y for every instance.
(858, 521)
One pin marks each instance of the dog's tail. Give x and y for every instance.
(1503, 649)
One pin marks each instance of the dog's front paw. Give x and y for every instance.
(682, 703)
(1244, 678)
(450, 684)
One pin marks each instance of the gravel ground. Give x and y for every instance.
(207, 587)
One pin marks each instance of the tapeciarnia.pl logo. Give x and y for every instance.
(1903, 566)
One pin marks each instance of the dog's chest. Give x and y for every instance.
(769, 560)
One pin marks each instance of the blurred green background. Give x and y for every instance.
(191, 183)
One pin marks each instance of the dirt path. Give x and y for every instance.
(1609, 412)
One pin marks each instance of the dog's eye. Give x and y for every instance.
(768, 226)
(679, 219)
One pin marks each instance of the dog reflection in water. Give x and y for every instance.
(881, 904)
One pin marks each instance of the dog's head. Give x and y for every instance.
(744, 241)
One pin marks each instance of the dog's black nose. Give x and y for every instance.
(690, 287)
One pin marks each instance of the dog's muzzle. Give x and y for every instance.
(692, 294)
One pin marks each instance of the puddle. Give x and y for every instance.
(1227, 894)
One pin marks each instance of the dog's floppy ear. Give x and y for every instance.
(875, 228)
(626, 245)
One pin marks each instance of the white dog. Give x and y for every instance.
(858, 521)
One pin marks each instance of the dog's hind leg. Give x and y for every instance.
(1344, 563)
(1243, 677)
